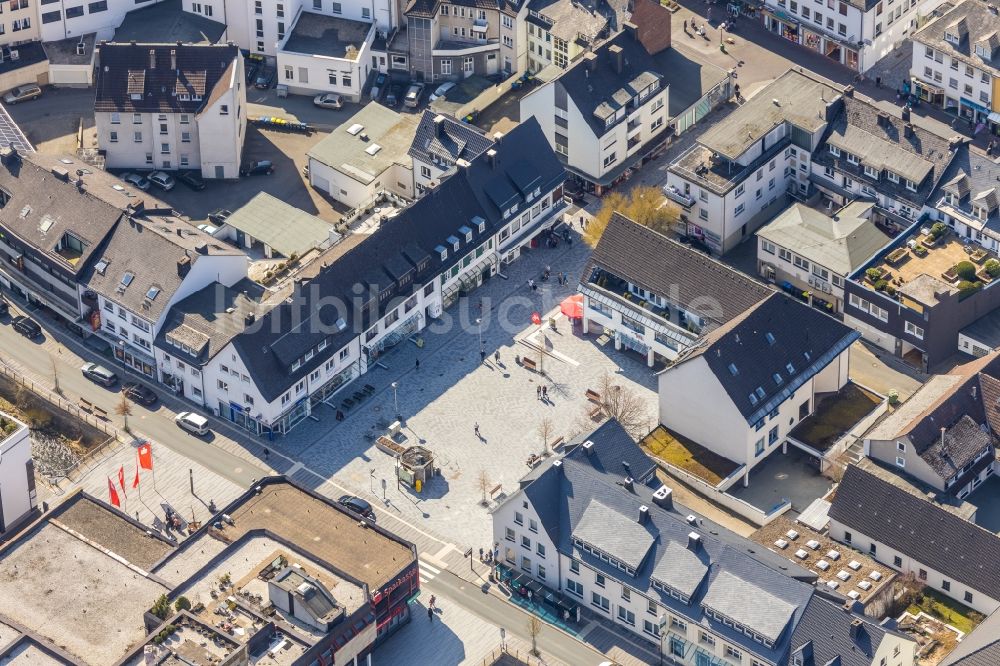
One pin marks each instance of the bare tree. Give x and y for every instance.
(55, 375)
(545, 431)
(124, 410)
(624, 405)
(534, 628)
(484, 483)
(644, 204)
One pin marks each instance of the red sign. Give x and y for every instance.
(377, 596)
(536, 318)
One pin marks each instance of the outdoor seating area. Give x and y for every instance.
(358, 397)
(834, 416)
(525, 591)
(688, 456)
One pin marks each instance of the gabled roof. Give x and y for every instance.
(975, 22)
(279, 225)
(970, 175)
(671, 270)
(142, 78)
(942, 541)
(826, 627)
(616, 534)
(444, 137)
(764, 355)
(841, 242)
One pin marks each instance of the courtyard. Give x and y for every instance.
(835, 414)
(986, 498)
(793, 476)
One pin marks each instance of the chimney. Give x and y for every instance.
(249, 319)
(173, 59)
(694, 541)
(664, 498)
(152, 58)
(906, 114)
(629, 484)
(643, 514)
(849, 91)
(943, 447)
(183, 266)
(632, 29)
(617, 57)
(201, 248)
(8, 155)
(856, 629)
(908, 130)
(491, 155)
(883, 119)
(439, 125)
(588, 447)
(590, 61)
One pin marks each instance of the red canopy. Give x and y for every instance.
(572, 307)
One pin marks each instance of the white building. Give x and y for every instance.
(439, 143)
(365, 157)
(559, 31)
(656, 296)
(326, 54)
(956, 62)
(171, 107)
(17, 473)
(915, 536)
(596, 527)
(614, 107)
(61, 19)
(815, 250)
(854, 33)
(760, 375)
(742, 169)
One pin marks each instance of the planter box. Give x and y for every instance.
(984, 276)
(927, 240)
(979, 256)
(897, 255)
(950, 275)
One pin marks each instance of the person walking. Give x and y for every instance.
(545, 393)
(480, 553)
(482, 355)
(496, 357)
(538, 392)
(476, 428)
(417, 365)
(430, 614)
(267, 454)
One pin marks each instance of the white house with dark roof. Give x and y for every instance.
(815, 250)
(594, 528)
(326, 54)
(910, 534)
(438, 144)
(760, 375)
(656, 296)
(559, 31)
(171, 107)
(967, 198)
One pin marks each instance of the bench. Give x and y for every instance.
(557, 442)
(592, 395)
(495, 489)
(596, 412)
(101, 413)
(528, 363)
(86, 405)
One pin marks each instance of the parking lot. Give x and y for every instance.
(987, 501)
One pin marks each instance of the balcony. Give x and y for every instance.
(450, 49)
(672, 193)
(480, 25)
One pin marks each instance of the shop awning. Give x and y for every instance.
(572, 306)
(994, 117)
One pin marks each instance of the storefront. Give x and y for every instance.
(927, 92)
(851, 58)
(812, 40)
(970, 110)
(136, 359)
(833, 51)
(994, 121)
(782, 24)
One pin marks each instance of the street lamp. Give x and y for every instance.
(395, 401)
(479, 325)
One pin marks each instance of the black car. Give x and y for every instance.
(358, 506)
(220, 216)
(394, 95)
(4, 309)
(265, 79)
(250, 70)
(27, 327)
(139, 393)
(258, 168)
(192, 180)
(378, 87)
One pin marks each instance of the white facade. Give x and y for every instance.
(210, 141)
(19, 23)
(948, 81)
(17, 474)
(397, 178)
(310, 73)
(779, 263)
(859, 188)
(901, 562)
(688, 389)
(61, 19)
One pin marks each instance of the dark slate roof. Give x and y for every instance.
(975, 22)
(148, 251)
(166, 22)
(963, 441)
(669, 269)
(979, 648)
(883, 144)
(618, 454)
(430, 8)
(603, 90)
(825, 628)
(728, 570)
(971, 176)
(776, 334)
(930, 535)
(124, 69)
(481, 190)
(447, 138)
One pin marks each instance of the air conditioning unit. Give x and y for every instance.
(81, 49)
(826, 287)
(14, 55)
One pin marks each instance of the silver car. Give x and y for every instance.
(23, 94)
(162, 180)
(329, 101)
(136, 180)
(98, 373)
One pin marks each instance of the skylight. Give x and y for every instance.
(790, 368)
(127, 278)
(153, 293)
(355, 129)
(101, 266)
(777, 379)
(760, 392)
(733, 370)
(372, 149)
(753, 399)
(769, 337)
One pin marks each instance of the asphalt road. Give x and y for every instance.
(35, 359)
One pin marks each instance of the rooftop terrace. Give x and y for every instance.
(330, 36)
(688, 456)
(835, 414)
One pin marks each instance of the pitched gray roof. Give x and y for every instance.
(744, 602)
(611, 532)
(778, 337)
(279, 225)
(963, 441)
(447, 138)
(826, 628)
(976, 23)
(913, 526)
(970, 174)
(681, 568)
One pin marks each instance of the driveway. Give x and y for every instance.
(987, 501)
(51, 122)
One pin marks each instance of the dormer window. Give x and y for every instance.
(981, 212)
(910, 185)
(835, 151)
(454, 242)
(852, 158)
(871, 172)
(443, 251)
(951, 37)
(949, 198)
(894, 177)
(982, 51)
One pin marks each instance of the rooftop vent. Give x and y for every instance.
(643, 514)
(588, 447)
(373, 149)
(354, 129)
(60, 173)
(692, 519)
(664, 497)
(694, 540)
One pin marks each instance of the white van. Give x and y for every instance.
(195, 424)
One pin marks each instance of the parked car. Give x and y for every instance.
(99, 374)
(220, 216)
(265, 78)
(378, 88)
(192, 180)
(196, 424)
(413, 94)
(258, 168)
(250, 70)
(442, 90)
(136, 180)
(4, 309)
(208, 229)
(24, 93)
(139, 393)
(27, 327)
(162, 180)
(358, 506)
(394, 94)
(329, 101)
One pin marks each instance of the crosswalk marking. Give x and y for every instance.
(427, 572)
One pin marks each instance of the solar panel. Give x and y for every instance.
(11, 134)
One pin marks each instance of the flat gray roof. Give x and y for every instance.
(331, 36)
(166, 23)
(279, 225)
(352, 151)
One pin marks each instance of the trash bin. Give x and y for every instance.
(282, 90)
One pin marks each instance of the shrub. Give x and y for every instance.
(893, 397)
(881, 285)
(873, 274)
(966, 270)
(890, 289)
(182, 603)
(920, 250)
(966, 288)
(938, 229)
(992, 267)
(161, 607)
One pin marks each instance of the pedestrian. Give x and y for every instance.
(496, 357)
(685, 25)
(545, 392)
(480, 553)
(267, 453)
(482, 355)
(878, 81)
(433, 601)
(531, 284)
(480, 437)
(430, 613)
(417, 366)
(538, 392)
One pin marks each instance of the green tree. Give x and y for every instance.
(182, 603)
(161, 607)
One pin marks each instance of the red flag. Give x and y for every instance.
(114, 493)
(121, 479)
(135, 483)
(536, 318)
(146, 456)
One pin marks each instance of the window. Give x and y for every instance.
(223, 109)
(137, 137)
(541, 572)
(600, 580)
(318, 4)
(600, 602)
(525, 542)
(96, 7)
(739, 210)
(968, 597)
(901, 447)
(946, 585)
(575, 587)
(900, 462)
(772, 436)
(164, 148)
(897, 561)
(626, 616)
(525, 563)
(651, 628)
(114, 137)
(706, 638)
(626, 594)
(914, 330)
(223, 385)
(533, 525)
(52, 17)
(509, 534)
(345, 79)
(540, 550)
(733, 653)
(758, 448)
